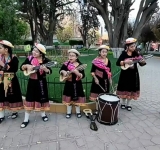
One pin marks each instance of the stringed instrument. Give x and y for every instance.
(2, 72)
(30, 70)
(8, 76)
(126, 66)
(69, 73)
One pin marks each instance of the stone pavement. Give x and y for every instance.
(136, 130)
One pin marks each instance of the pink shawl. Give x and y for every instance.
(70, 65)
(100, 64)
(35, 63)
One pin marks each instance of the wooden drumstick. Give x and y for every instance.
(112, 88)
(104, 89)
(101, 87)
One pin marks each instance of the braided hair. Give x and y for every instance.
(9, 50)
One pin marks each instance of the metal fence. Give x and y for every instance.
(55, 88)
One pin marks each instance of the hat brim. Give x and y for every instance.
(9, 45)
(132, 41)
(74, 51)
(39, 49)
(106, 47)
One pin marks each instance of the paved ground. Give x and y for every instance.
(136, 130)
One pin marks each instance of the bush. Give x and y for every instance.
(75, 42)
(83, 49)
(29, 43)
(110, 53)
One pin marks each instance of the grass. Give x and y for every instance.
(56, 88)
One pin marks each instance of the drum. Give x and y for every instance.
(108, 108)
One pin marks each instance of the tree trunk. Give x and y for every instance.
(116, 21)
(116, 25)
(83, 35)
(143, 16)
(33, 30)
(48, 40)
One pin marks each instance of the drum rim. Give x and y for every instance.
(108, 94)
(107, 123)
(98, 98)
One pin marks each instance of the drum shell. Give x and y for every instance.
(108, 111)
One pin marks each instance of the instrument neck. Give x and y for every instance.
(36, 68)
(136, 61)
(46, 65)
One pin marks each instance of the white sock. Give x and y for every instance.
(2, 114)
(128, 102)
(77, 109)
(26, 117)
(43, 113)
(96, 105)
(123, 101)
(69, 109)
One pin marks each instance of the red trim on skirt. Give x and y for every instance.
(67, 101)
(11, 106)
(128, 95)
(93, 96)
(36, 106)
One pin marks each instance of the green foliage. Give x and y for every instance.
(93, 36)
(27, 42)
(57, 55)
(12, 28)
(75, 42)
(84, 49)
(64, 34)
(147, 34)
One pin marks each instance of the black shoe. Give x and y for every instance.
(24, 124)
(68, 116)
(129, 108)
(14, 115)
(2, 119)
(79, 115)
(123, 106)
(45, 118)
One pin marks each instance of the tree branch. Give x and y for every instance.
(64, 4)
(146, 14)
(138, 14)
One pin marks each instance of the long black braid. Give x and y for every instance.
(135, 53)
(9, 50)
(78, 59)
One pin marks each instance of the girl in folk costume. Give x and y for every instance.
(37, 91)
(129, 82)
(101, 73)
(10, 93)
(73, 93)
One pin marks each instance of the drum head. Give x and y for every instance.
(108, 98)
